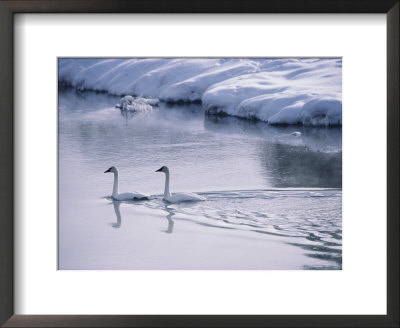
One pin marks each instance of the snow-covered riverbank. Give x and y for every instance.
(277, 91)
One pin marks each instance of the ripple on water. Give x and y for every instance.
(307, 219)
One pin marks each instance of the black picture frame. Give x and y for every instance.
(10, 7)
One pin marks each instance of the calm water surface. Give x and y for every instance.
(274, 200)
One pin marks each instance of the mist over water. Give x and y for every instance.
(274, 199)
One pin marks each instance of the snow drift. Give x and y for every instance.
(277, 91)
(138, 104)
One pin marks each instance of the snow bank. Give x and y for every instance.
(277, 91)
(138, 104)
(294, 92)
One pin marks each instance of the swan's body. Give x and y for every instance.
(130, 196)
(183, 197)
(176, 198)
(126, 195)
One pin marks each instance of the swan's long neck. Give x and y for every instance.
(115, 187)
(166, 189)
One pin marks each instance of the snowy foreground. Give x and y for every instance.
(277, 91)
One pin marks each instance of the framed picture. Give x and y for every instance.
(166, 167)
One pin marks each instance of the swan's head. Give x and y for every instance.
(163, 169)
(112, 169)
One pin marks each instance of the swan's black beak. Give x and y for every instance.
(159, 170)
(109, 170)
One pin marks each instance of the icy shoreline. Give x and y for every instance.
(277, 91)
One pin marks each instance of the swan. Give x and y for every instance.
(125, 195)
(176, 198)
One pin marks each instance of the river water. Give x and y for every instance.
(273, 196)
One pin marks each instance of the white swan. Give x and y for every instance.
(176, 198)
(125, 195)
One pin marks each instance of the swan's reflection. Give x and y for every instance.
(171, 213)
(117, 204)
